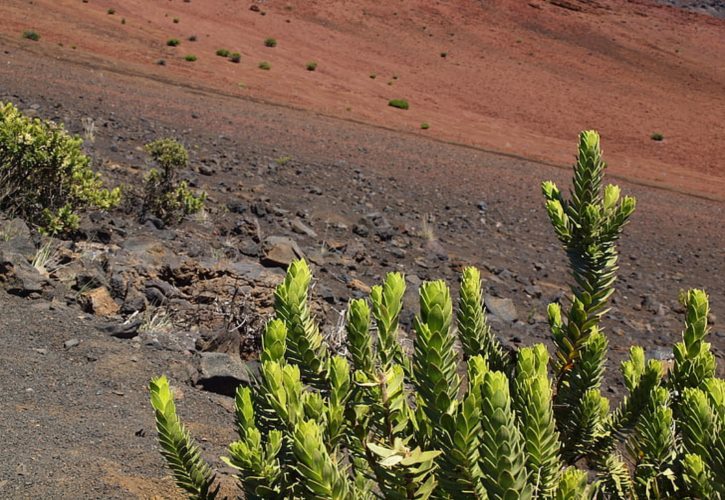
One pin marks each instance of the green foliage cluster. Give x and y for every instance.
(173, 42)
(45, 177)
(31, 35)
(477, 421)
(190, 58)
(311, 66)
(265, 66)
(398, 103)
(270, 42)
(166, 197)
(222, 53)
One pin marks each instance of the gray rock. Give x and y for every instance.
(221, 373)
(299, 227)
(123, 330)
(19, 276)
(280, 251)
(71, 343)
(503, 309)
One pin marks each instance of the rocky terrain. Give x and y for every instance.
(127, 298)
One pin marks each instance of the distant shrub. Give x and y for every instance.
(373, 76)
(657, 137)
(398, 103)
(45, 177)
(190, 57)
(123, 20)
(424, 126)
(111, 12)
(265, 66)
(173, 42)
(235, 57)
(176, 20)
(222, 52)
(192, 38)
(444, 54)
(164, 196)
(161, 62)
(31, 35)
(270, 42)
(311, 66)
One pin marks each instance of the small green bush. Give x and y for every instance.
(190, 58)
(235, 57)
(176, 20)
(173, 42)
(398, 103)
(311, 66)
(425, 125)
(222, 52)
(657, 137)
(270, 42)
(164, 196)
(31, 35)
(111, 12)
(265, 66)
(192, 38)
(45, 177)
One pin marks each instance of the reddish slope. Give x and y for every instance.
(519, 77)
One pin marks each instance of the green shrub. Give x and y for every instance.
(45, 177)
(265, 66)
(478, 421)
(270, 42)
(398, 103)
(31, 35)
(111, 12)
(311, 66)
(173, 42)
(222, 52)
(164, 196)
(235, 57)
(425, 125)
(190, 58)
(657, 137)
(192, 38)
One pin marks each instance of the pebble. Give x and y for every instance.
(71, 343)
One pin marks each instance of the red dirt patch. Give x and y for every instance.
(518, 77)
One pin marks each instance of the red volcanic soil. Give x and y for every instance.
(518, 77)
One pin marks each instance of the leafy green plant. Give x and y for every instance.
(31, 35)
(222, 52)
(270, 42)
(190, 58)
(425, 125)
(657, 137)
(111, 12)
(173, 42)
(235, 57)
(398, 103)
(45, 177)
(311, 66)
(265, 66)
(385, 422)
(164, 196)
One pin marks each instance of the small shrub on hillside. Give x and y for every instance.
(425, 126)
(111, 12)
(222, 52)
(45, 177)
(192, 38)
(311, 66)
(166, 197)
(190, 58)
(235, 57)
(270, 42)
(657, 137)
(173, 42)
(265, 66)
(398, 103)
(31, 35)
(176, 20)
